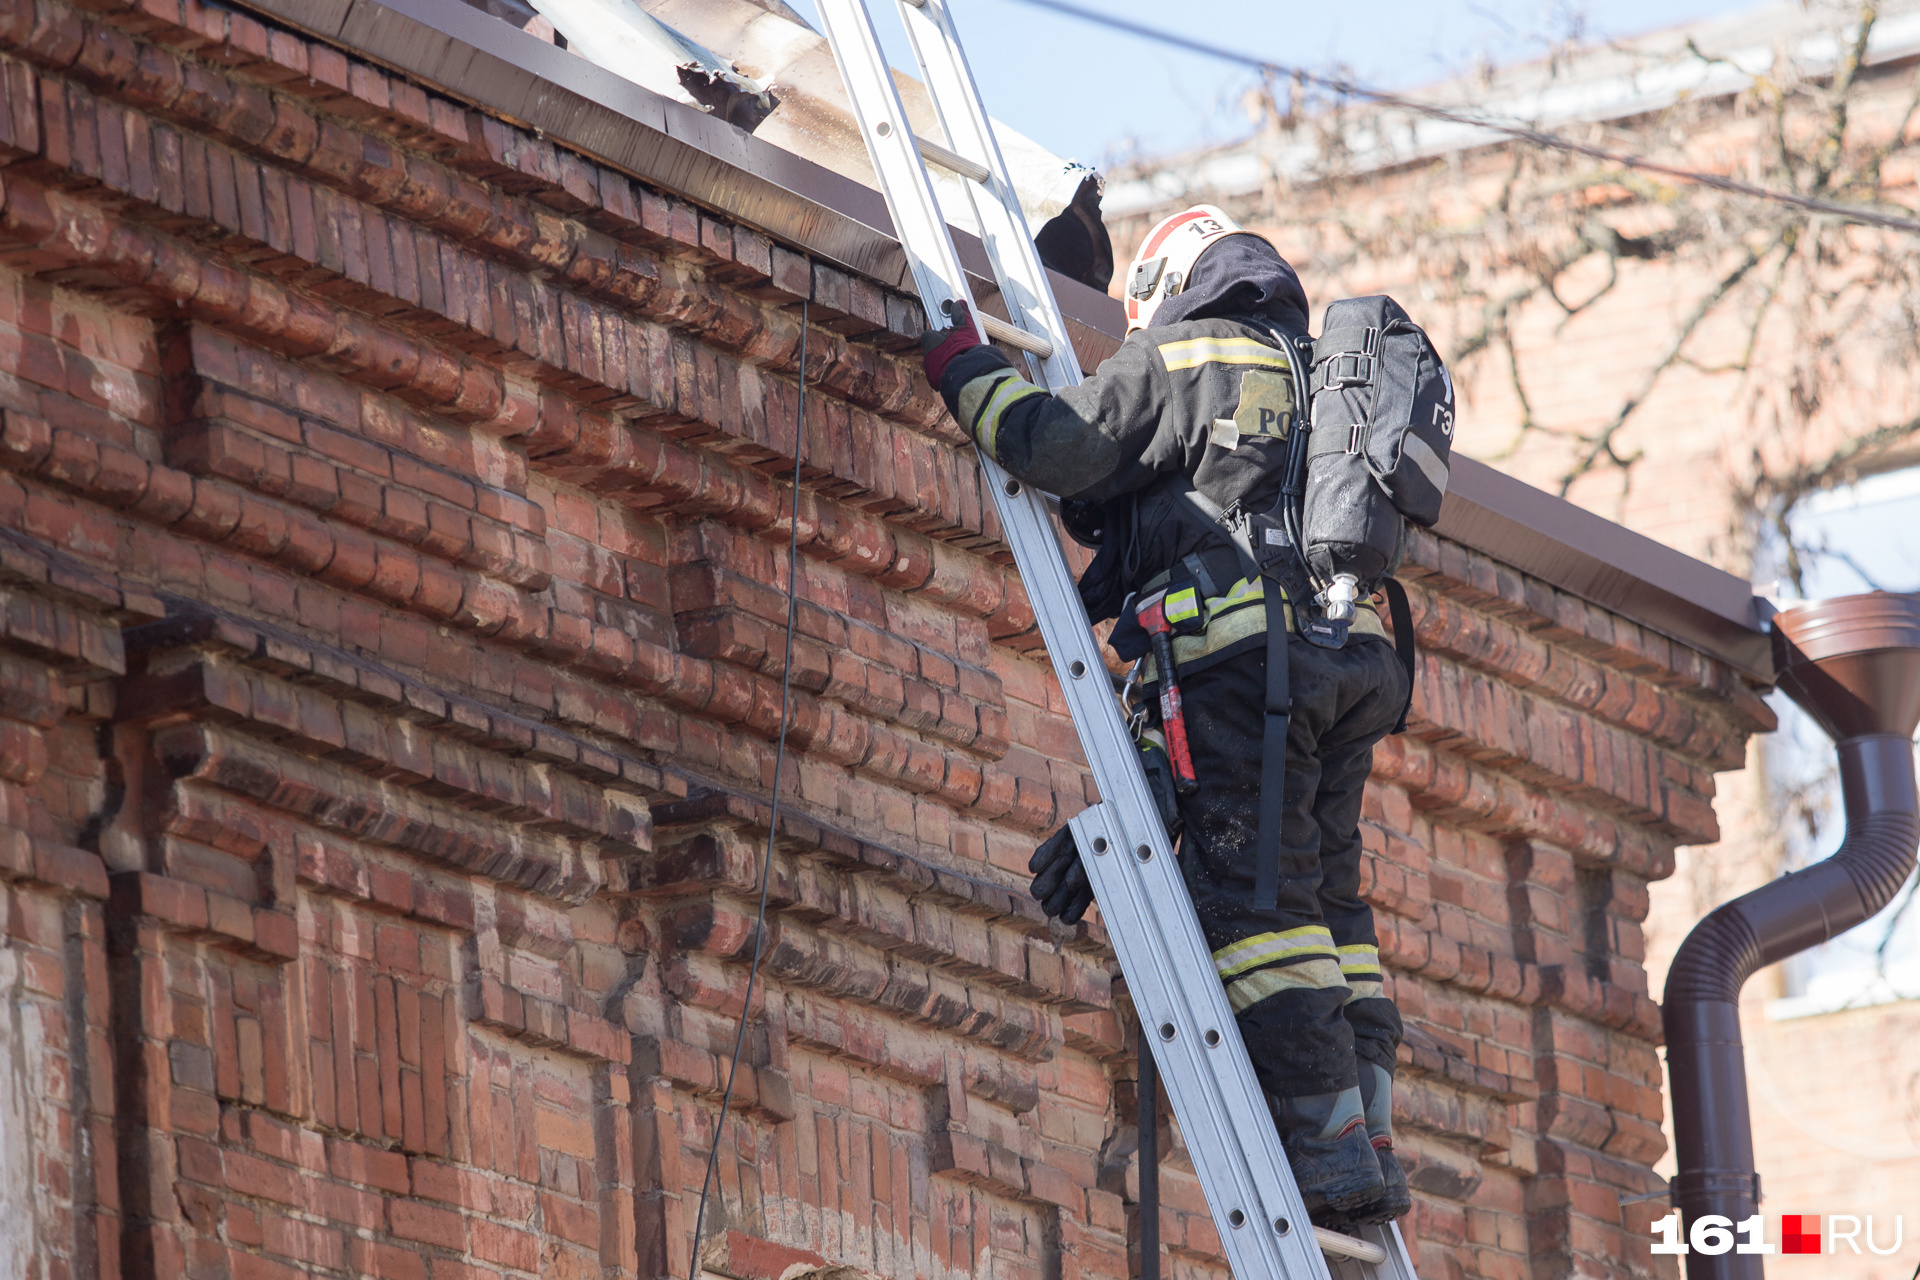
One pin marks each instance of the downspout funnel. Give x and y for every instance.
(1854, 664)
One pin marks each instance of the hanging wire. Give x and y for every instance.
(1518, 132)
(773, 818)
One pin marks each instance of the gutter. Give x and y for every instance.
(1665, 590)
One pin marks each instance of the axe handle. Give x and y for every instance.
(1173, 717)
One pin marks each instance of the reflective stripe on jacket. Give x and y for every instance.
(1232, 619)
(1210, 399)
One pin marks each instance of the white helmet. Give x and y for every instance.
(1166, 258)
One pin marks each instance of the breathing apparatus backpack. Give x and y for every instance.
(1382, 434)
(1372, 455)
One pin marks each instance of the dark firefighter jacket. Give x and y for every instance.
(1209, 399)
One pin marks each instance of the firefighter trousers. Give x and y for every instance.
(1304, 977)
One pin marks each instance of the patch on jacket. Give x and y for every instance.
(1266, 404)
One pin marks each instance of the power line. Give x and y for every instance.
(1518, 132)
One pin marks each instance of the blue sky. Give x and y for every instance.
(1095, 95)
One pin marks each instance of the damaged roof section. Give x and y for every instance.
(623, 37)
(759, 66)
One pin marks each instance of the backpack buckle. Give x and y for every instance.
(1353, 439)
(1346, 369)
(1323, 632)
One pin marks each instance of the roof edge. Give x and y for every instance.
(484, 61)
(478, 58)
(1667, 591)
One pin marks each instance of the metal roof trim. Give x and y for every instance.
(491, 64)
(473, 56)
(1667, 591)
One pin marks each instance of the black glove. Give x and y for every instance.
(1060, 883)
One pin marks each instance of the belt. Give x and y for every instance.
(1239, 613)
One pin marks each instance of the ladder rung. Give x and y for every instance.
(1349, 1247)
(1000, 331)
(952, 160)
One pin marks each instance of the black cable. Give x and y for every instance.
(1293, 490)
(773, 818)
(1521, 133)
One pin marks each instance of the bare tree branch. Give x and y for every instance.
(1521, 246)
(1601, 443)
(1826, 157)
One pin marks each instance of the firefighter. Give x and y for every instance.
(1200, 398)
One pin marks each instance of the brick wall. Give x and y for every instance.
(391, 595)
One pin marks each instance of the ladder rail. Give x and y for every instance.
(1256, 1207)
(1264, 1235)
(1017, 268)
(917, 222)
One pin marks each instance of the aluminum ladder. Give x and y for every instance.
(1183, 1009)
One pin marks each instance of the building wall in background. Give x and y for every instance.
(392, 530)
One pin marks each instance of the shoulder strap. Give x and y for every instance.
(1213, 518)
(1402, 640)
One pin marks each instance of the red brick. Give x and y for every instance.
(428, 1224)
(369, 1166)
(508, 1246)
(373, 1258)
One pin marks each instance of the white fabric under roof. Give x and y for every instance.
(767, 41)
(625, 39)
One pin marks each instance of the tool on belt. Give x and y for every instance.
(1173, 611)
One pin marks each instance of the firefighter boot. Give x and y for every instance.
(1325, 1138)
(1376, 1094)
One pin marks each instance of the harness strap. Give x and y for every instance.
(1339, 438)
(1197, 570)
(1279, 699)
(1402, 640)
(1273, 757)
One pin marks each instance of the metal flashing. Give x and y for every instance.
(1665, 590)
(472, 56)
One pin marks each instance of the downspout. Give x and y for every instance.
(1853, 664)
